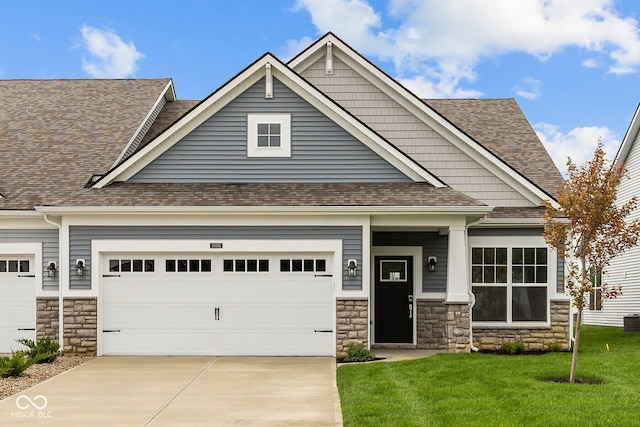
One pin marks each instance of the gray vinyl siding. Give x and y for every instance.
(50, 249)
(560, 275)
(321, 151)
(433, 244)
(145, 128)
(624, 270)
(363, 99)
(81, 236)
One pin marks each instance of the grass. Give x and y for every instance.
(496, 390)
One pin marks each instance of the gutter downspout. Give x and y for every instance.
(472, 297)
(60, 287)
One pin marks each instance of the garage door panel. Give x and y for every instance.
(218, 312)
(17, 301)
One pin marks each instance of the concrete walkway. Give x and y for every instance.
(183, 391)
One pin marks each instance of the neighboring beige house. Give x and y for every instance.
(300, 207)
(624, 269)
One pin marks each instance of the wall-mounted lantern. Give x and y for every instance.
(80, 267)
(432, 262)
(51, 269)
(352, 265)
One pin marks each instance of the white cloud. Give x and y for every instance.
(528, 89)
(591, 63)
(449, 38)
(110, 57)
(578, 144)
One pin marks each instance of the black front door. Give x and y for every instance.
(393, 299)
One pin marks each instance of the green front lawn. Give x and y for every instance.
(494, 390)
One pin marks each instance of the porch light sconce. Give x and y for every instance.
(51, 269)
(352, 265)
(432, 262)
(80, 267)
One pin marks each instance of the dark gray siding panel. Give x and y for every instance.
(50, 249)
(560, 284)
(321, 151)
(81, 236)
(502, 232)
(432, 244)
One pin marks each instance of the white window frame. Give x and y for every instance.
(510, 243)
(284, 150)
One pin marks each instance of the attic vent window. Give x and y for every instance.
(269, 135)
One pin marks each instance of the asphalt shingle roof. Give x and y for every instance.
(501, 127)
(365, 194)
(56, 134)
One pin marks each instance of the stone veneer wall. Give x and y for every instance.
(352, 323)
(534, 338)
(431, 324)
(80, 326)
(47, 318)
(458, 324)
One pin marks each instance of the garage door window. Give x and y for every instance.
(246, 265)
(14, 266)
(188, 265)
(303, 265)
(132, 265)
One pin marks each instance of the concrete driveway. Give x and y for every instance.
(183, 391)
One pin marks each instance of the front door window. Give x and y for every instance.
(393, 322)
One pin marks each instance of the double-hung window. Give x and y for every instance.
(511, 284)
(595, 296)
(269, 135)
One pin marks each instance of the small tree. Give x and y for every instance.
(596, 232)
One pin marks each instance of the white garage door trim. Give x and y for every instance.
(332, 248)
(21, 309)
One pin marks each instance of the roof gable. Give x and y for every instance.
(629, 138)
(238, 85)
(216, 151)
(56, 134)
(498, 166)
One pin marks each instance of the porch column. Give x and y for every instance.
(457, 299)
(457, 277)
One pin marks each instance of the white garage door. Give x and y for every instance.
(17, 300)
(239, 304)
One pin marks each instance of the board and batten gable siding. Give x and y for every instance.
(518, 232)
(457, 169)
(80, 242)
(321, 151)
(432, 243)
(623, 270)
(50, 249)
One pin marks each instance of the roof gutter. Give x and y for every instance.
(60, 286)
(275, 210)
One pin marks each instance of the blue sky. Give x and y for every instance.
(572, 65)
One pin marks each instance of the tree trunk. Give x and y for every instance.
(574, 357)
